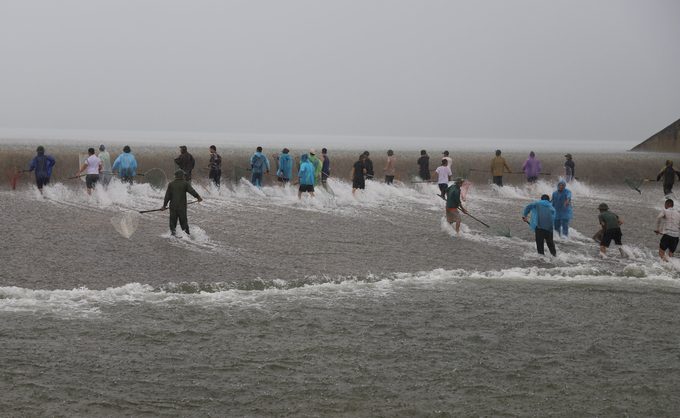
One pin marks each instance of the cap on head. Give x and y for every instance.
(126, 148)
(312, 151)
(362, 157)
(498, 152)
(458, 180)
(102, 147)
(179, 174)
(568, 155)
(445, 153)
(545, 197)
(532, 154)
(603, 206)
(285, 151)
(40, 148)
(390, 152)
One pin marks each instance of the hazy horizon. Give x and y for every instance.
(556, 72)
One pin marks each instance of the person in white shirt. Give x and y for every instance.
(93, 165)
(443, 177)
(447, 158)
(670, 231)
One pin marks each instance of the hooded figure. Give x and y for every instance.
(668, 173)
(307, 171)
(561, 201)
(126, 165)
(285, 171)
(258, 162)
(542, 218)
(531, 168)
(42, 164)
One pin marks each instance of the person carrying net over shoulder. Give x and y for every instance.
(176, 194)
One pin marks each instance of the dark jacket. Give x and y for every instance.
(185, 161)
(177, 194)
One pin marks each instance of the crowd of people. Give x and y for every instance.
(545, 216)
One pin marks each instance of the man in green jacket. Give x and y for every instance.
(177, 196)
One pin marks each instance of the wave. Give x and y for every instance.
(590, 168)
(83, 302)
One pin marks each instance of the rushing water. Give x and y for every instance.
(348, 306)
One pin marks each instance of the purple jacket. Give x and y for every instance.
(531, 167)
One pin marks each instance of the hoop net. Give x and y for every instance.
(13, 173)
(464, 189)
(156, 178)
(413, 175)
(634, 184)
(81, 158)
(239, 173)
(126, 223)
(500, 231)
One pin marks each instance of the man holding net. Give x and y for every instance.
(42, 164)
(542, 215)
(453, 203)
(670, 231)
(668, 173)
(93, 165)
(176, 194)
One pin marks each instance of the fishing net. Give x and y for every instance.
(500, 231)
(13, 173)
(81, 158)
(413, 175)
(240, 173)
(326, 190)
(126, 223)
(464, 189)
(635, 183)
(463, 170)
(156, 178)
(563, 173)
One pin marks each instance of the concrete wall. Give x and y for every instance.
(668, 140)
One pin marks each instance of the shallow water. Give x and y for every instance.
(352, 306)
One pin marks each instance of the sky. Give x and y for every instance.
(549, 70)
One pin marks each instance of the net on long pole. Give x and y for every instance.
(126, 223)
(413, 175)
(156, 178)
(464, 189)
(13, 173)
(240, 173)
(635, 183)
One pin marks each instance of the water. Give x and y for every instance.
(353, 306)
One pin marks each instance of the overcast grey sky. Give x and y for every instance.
(602, 70)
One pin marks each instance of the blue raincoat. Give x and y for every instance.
(42, 164)
(126, 165)
(307, 171)
(285, 166)
(258, 161)
(543, 215)
(558, 199)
